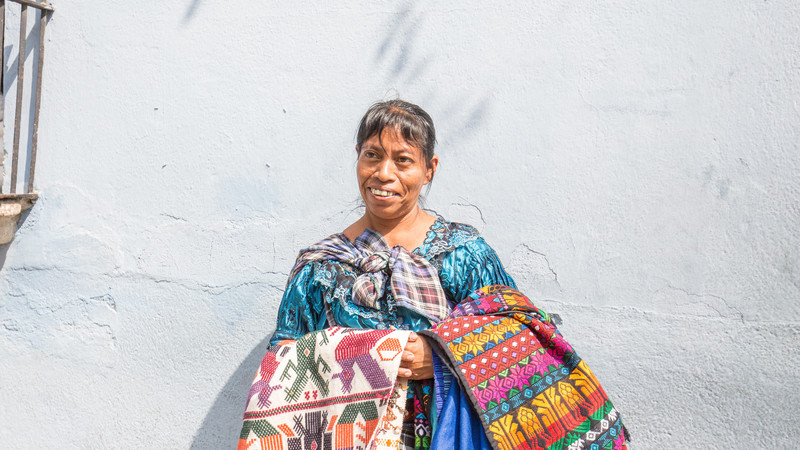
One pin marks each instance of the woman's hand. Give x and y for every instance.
(417, 363)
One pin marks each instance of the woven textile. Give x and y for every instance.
(414, 281)
(331, 389)
(417, 427)
(531, 390)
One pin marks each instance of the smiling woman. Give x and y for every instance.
(391, 174)
(395, 160)
(346, 368)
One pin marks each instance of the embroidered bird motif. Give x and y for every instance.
(262, 387)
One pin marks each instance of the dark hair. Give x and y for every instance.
(411, 121)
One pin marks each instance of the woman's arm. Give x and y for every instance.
(471, 267)
(301, 310)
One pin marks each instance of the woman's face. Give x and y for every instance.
(391, 173)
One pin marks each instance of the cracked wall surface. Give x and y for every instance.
(634, 165)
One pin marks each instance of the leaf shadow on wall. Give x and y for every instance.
(221, 426)
(399, 50)
(191, 10)
(411, 57)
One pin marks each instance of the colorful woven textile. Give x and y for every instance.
(418, 435)
(531, 390)
(331, 389)
(414, 281)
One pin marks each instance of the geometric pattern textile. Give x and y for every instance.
(529, 387)
(331, 389)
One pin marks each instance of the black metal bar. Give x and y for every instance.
(2, 57)
(2, 74)
(35, 137)
(23, 28)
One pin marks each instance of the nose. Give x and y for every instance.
(385, 170)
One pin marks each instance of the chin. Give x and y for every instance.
(386, 213)
(383, 213)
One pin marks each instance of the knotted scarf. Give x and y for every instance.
(413, 281)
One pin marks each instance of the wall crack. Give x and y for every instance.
(699, 299)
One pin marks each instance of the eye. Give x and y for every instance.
(370, 154)
(405, 160)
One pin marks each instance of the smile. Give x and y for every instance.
(381, 193)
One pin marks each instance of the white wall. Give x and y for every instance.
(634, 164)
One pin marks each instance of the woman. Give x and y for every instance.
(398, 267)
(395, 149)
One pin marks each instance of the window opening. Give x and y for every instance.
(13, 203)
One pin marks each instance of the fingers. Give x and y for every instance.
(413, 345)
(406, 365)
(414, 362)
(406, 360)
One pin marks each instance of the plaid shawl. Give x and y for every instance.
(413, 280)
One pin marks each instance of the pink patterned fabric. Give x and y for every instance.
(331, 389)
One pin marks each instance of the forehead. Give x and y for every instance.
(390, 140)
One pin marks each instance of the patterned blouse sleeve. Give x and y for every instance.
(302, 308)
(472, 266)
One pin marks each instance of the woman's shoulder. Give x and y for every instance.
(445, 237)
(320, 262)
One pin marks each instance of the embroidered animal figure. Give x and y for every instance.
(312, 435)
(262, 387)
(355, 349)
(308, 365)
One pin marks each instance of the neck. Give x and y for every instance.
(408, 231)
(387, 226)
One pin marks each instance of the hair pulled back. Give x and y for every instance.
(410, 121)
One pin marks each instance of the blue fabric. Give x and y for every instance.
(441, 382)
(464, 261)
(458, 425)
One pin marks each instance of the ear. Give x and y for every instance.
(432, 165)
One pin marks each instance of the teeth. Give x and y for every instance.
(381, 193)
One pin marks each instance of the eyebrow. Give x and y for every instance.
(373, 147)
(401, 151)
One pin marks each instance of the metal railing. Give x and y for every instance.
(45, 9)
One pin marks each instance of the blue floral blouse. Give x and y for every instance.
(319, 296)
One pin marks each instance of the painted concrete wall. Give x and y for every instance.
(635, 164)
